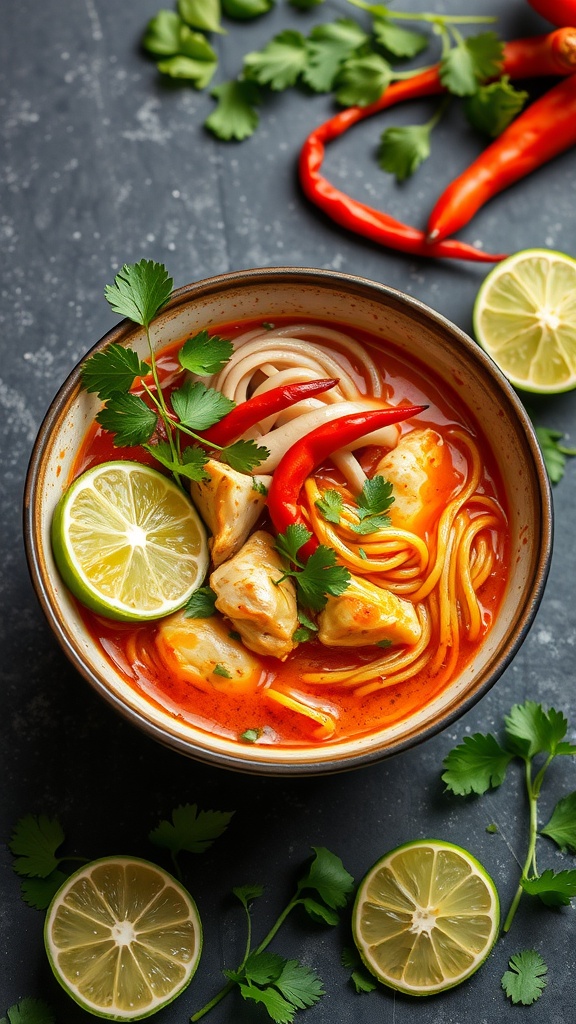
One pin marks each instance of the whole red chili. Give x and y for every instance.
(250, 412)
(549, 54)
(303, 457)
(559, 12)
(547, 127)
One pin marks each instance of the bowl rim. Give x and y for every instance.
(419, 312)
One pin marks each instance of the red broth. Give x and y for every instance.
(127, 645)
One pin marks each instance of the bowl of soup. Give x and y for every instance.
(367, 578)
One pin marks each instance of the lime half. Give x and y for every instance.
(123, 937)
(128, 542)
(525, 319)
(425, 917)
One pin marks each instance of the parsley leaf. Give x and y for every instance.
(401, 42)
(140, 290)
(280, 63)
(199, 407)
(113, 370)
(562, 825)
(129, 418)
(328, 47)
(330, 505)
(34, 842)
(525, 981)
(201, 605)
(29, 1011)
(555, 889)
(476, 765)
(494, 106)
(472, 61)
(235, 116)
(190, 830)
(204, 14)
(205, 354)
(554, 453)
(244, 456)
(362, 80)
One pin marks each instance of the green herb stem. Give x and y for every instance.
(214, 1001)
(426, 16)
(533, 787)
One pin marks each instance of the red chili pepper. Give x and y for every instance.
(306, 455)
(559, 12)
(523, 58)
(250, 412)
(547, 127)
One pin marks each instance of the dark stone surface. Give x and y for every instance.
(103, 164)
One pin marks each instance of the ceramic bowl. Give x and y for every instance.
(416, 331)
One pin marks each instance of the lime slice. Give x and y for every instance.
(425, 917)
(525, 319)
(128, 542)
(123, 937)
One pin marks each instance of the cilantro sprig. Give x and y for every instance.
(151, 419)
(536, 737)
(370, 510)
(35, 843)
(555, 453)
(284, 986)
(354, 62)
(318, 577)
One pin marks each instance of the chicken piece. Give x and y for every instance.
(366, 614)
(202, 652)
(423, 478)
(230, 506)
(260, 609)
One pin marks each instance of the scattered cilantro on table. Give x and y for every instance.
(555, 453)
(525, 980)
(354, 60)
(29, 1011)
(536, 737)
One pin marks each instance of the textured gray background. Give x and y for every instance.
(104, 164)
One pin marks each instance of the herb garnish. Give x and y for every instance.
(201, 605)
(319, 577)
(554, 453)
(354, 63)
(29, 1011)
(480, 762)
(525, 981)
(139, 292)
(371, 506)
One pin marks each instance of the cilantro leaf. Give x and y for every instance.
(162, 35)
(129, 418)
(300, 985)
(525, 981)
(113, 370)
(245, 9)
(197, 65)
(328, 877)
(235, 116)
(330, 505)
(34, 842)
(280, 63)
(282, 986)
(470, 62)
(362, 981)
(289, 543)
(562, 825)
(140, 290)
(205, 354)
(494, 106)
(191, 465)
(221, 670)
(555, 889)
(29, 1011)
(531, 730)
(38, 892)
(375, 499)
(199, 407)
(403, 148)
(244, 456)
(201, 605)
(278, 1008)
(320, 913)
(305, 5)
(401, 42)
(362, 80)
(320, 577)
(204, 14)
(554, 453)
(476, 765)
(247, 893)
(190, 830)
(329, 46)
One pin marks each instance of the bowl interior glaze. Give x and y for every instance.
(414, 330)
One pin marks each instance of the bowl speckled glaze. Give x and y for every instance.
(412, 328)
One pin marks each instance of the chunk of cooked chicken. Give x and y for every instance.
(202, 651)
(423, 477)
(229, 505)
(262, 610)
(365, 614)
